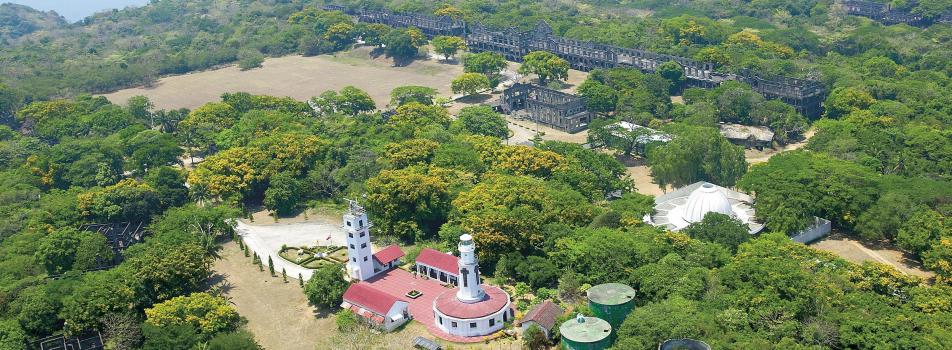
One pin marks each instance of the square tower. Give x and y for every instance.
(360, 264)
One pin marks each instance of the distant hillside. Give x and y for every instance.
(19, 20)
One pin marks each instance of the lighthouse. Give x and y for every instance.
(470, 290)
(360, 265)
(471, 309)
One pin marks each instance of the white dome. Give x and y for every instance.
(706, 199)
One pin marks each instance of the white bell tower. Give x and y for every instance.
(469, 289)
(360, 264)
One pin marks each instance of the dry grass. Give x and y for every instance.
(297, 77)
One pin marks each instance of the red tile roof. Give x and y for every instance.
(449, 305)
(438, 259)
(545, 314)
(366, 296)
(390, 253)
(370, 316)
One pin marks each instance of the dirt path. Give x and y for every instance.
(859, 252)
(298, 77)
(754, 156)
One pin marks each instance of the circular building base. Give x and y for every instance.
(472, 319)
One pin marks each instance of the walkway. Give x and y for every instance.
(266, 240)
(398, 282)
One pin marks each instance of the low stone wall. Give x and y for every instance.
(820, 228)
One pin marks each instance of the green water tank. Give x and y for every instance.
(586, 333)
(611, 302)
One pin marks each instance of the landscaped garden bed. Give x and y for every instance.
(413, 294)
(312, 257)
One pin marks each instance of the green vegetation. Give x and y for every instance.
(878, 167)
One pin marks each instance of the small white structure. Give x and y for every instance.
(687, 205)
(380, 309)
(472, 309)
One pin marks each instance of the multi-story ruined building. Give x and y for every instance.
(554, 108)
(886, 14)
(805, 95)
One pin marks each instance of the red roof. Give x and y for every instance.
(438, 259)
(545, 314)
(390, 253)
(366, 296)
(449, 305)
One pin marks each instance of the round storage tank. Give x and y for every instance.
(611, 302)
(586, 333)
(683, 344)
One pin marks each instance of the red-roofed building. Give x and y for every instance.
(438, 265)
(375, 306)
(543, 315)
(387, 258)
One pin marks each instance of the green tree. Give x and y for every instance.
(600, 98)
(721, 229)
(672, 71)
(400, 46)
(448, 46)
(697, 154)
(173, 337)
(482, 120)
(488, 63)
(408, 203)
(234, 341)
(250, 59)
(545, 65)
(283, 195)
(922, 230)
(534, 339)
(341, 34)
(150, 149)
(208, 314)
(11, 336)
(141, 108)
(844, 100)
(169, 182)
(128, 200)
(353, 101)
(406, 94)
(326, 287)
(469, 84)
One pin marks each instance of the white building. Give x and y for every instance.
(380, 309)
(362, 264)
(689, 204)
(472, 309)
(360, 267)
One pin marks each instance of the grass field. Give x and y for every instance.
(298, 77)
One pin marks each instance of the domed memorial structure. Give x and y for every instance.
(687, 205)
(471, 309)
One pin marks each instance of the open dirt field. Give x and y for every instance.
(297, 77)
(278, 313)
(858, 252)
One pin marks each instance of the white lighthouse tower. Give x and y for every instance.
(360, 264)
(469, 289)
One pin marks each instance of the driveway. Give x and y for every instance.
(266, 240)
